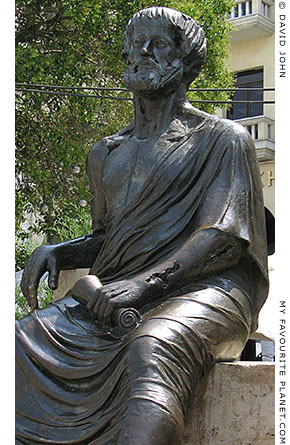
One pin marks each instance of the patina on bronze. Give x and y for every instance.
(178, 234)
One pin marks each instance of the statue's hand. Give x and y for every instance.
(41, 261)
(121, 294)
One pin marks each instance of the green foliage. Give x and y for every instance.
(75, 222)
(79, 43)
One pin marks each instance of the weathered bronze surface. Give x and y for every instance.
(178, 234)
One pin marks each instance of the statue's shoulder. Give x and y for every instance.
(194, 117)
(104, 146)
(224, 130)
(98, 151)
(237, 136)
(234, 129)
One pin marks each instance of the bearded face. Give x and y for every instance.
(153, 63)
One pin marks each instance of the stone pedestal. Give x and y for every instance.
(67, 279)
(234, 404)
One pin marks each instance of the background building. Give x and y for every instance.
(252, 60)
(252, 54)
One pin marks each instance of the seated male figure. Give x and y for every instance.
(178, 233)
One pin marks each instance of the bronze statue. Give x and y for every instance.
(178, 234)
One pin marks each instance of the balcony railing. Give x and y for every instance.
(243, 8)
(265, 9)
(252, 19)
(262, 130)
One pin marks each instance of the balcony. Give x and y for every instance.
(252, 19)
(262, 130)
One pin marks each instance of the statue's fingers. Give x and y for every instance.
(32, 289)
(32, 297)
(98, 305)
(108, 312)
(24, 284)
(27, 278)
(33, 273)
(53, 274)
(93, 299)
(105, 305)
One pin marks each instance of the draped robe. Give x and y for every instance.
(75, 376)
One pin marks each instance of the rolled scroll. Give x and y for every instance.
(127, 318)
(83, 290)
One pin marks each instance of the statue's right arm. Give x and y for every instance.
(76, 253)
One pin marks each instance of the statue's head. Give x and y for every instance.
(162, 49)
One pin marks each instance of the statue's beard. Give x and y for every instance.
(148, 76)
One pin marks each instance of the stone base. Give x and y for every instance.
(67, 279)
(234, 404)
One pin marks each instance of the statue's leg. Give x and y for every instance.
(80, 384)
(168, 353)
(147, 424)
(154, 412)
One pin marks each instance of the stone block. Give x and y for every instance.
(67, 279)
(234, 404)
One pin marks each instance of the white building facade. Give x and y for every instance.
(252, 60)
(252, 56)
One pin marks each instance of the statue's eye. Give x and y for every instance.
(160, 43)
(138, 42)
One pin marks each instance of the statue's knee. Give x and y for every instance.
(143, 351)
(146, 423)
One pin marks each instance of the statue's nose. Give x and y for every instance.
(146, 48)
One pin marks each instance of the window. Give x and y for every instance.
(252, 80)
